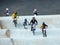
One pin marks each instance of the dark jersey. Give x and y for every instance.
(33, 21)
(44, 26)
(36, 12)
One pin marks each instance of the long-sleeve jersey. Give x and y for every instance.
(33, 21)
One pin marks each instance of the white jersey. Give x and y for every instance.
(7, 13)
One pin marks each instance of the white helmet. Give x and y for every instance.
(35, 9)
(7, 9)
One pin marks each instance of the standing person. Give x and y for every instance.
(7, 12)
(25, 23)
(44, 29)
(35, 12)
(14, 15)
(33, 23)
